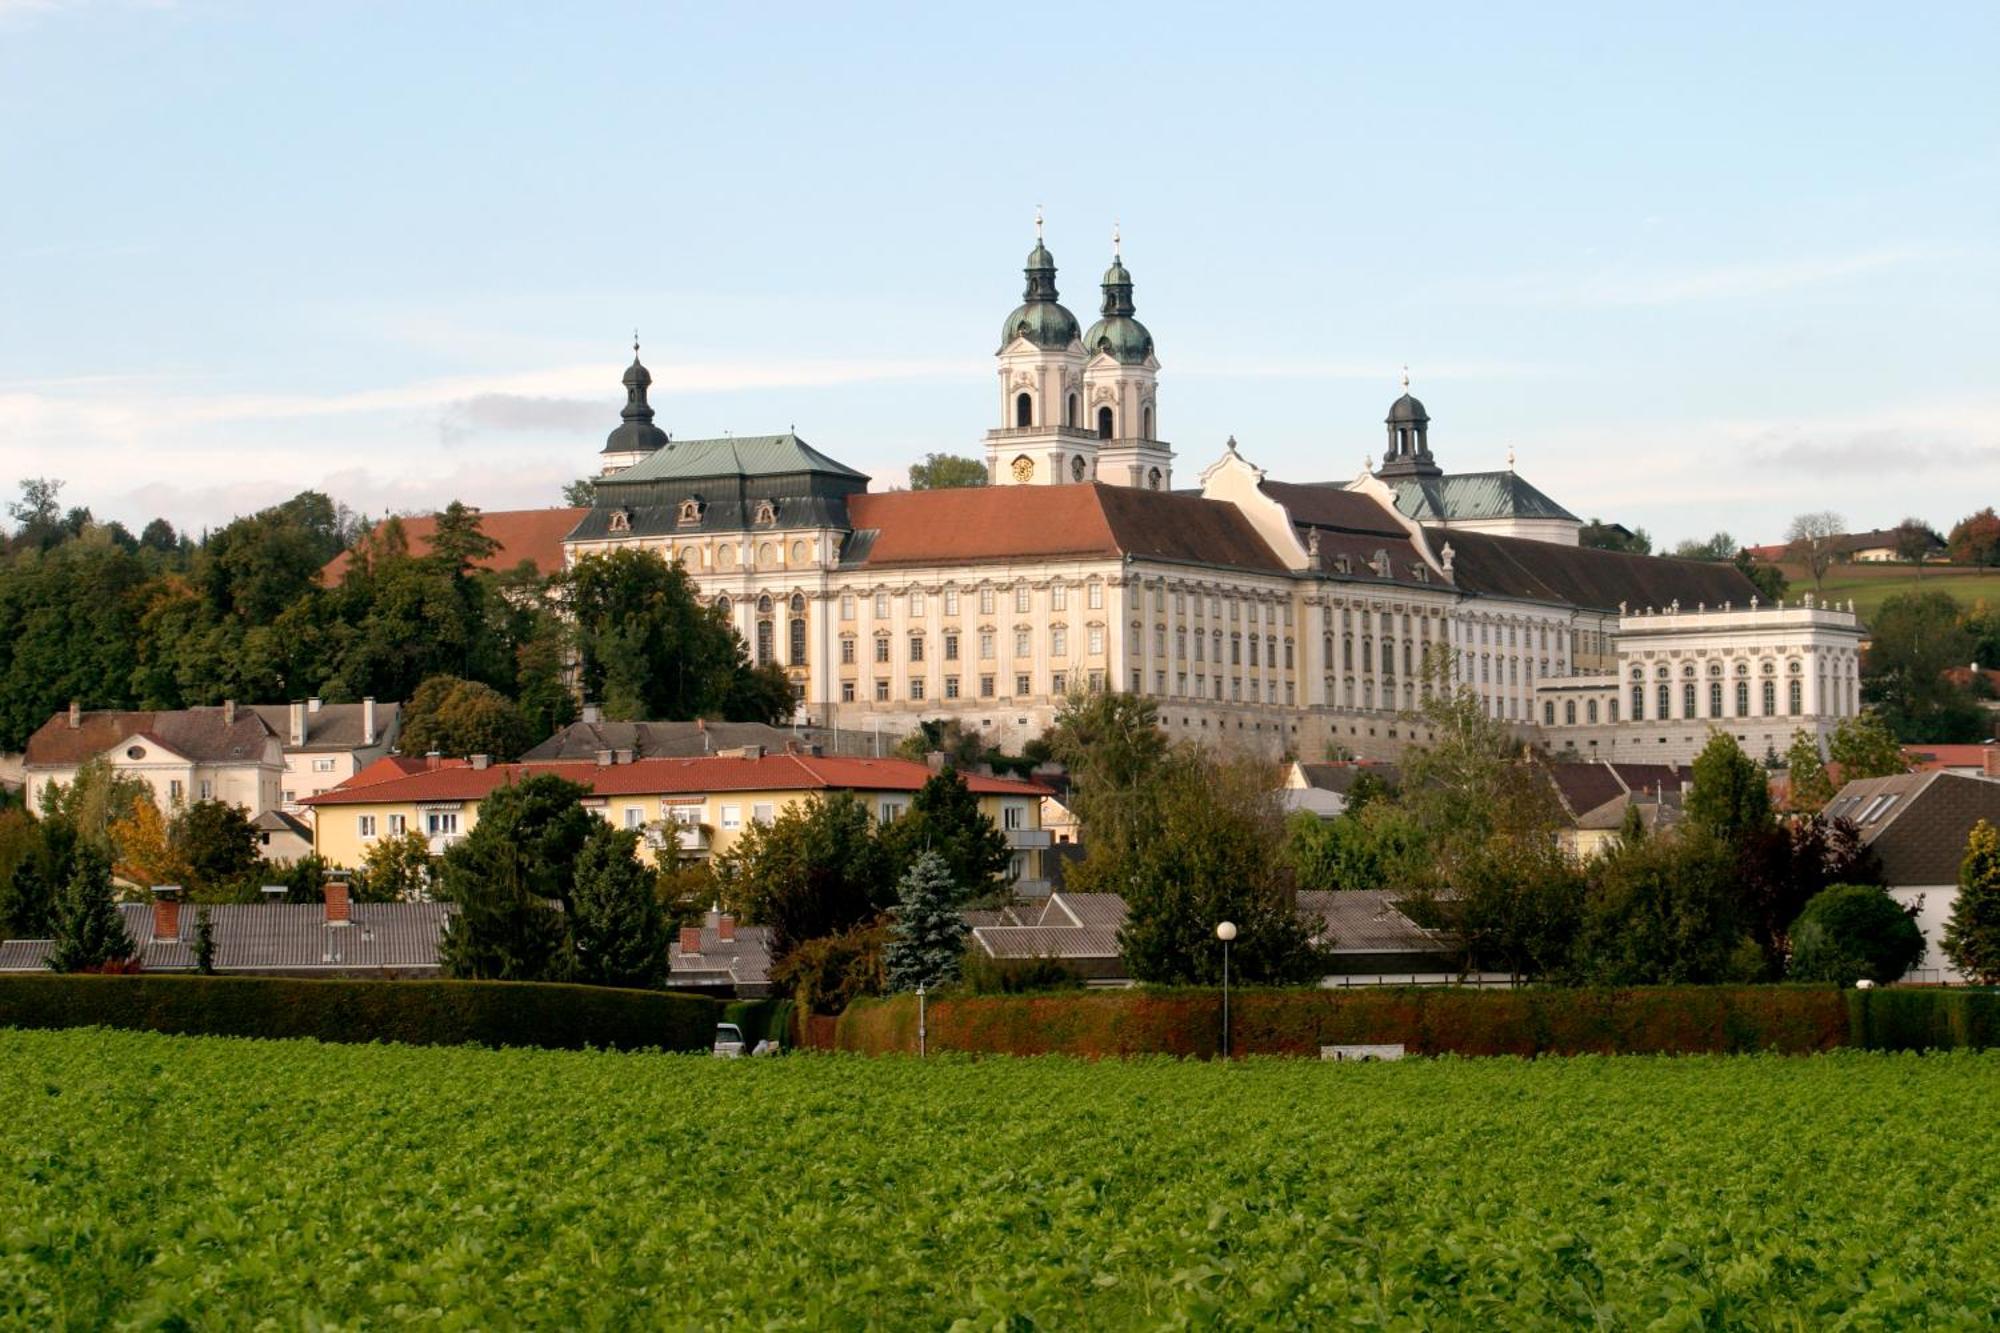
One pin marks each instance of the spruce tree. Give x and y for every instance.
(944, 817)
(617, 927)
(929, 935)
(1972, 934)
(88, 929)
(204, 944)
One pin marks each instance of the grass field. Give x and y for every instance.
(164, 1182)
(1871, 585)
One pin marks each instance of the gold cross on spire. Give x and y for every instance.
(1038, 224)
(1116, 248)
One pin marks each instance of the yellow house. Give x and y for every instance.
(683, 808)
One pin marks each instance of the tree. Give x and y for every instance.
(1782, 867)
(944, 818)
(143, 846)
(1972, 933)
(815, 870)
(217, 844)
(1720, 547)
(1915, 540)
(961, 746)
(581, 493)
(1112, 745)
(1809, 786)
(944, 471)
(1769, 580)
(397, 869)
(1864, 747)
(507, 877)
(95, 801)
(1201, 846)
(1332, 854)
(89, 933)
(1666, 911)
(39, 858)
(1975, 539)
(928, 936)
(1517, 908)
(617, 929)
(1602, 536)
(456, 717)
(204, 943)
(1851, 931)
(1915, 638)
(1469, 781)
(1731, 795)
(39, 512)
(1812, 538)
(827, 974)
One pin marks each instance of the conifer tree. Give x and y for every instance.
(88, 929)
(617, 927)
(1972, 934)
(929, 935)
(204, 944)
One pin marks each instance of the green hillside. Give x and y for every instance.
(1871, 585)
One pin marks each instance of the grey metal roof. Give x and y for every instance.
(277, 937)
(661, 740)
(1463, 496)
(1084, 909)
(331, 726)
(1367, 921)
(1065, 942)
(743, 961)
(734, 456)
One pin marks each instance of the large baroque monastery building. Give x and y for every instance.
(1287, 617)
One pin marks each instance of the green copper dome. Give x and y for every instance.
(1118, 334)
(1040, 318)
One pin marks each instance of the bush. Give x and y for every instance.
(419, 1013)
(984, 975)
(1902, 1019)
(825, 975)
(1851, 931)
(761, 1019)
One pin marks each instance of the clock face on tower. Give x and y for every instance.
(1024, 468)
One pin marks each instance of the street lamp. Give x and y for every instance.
(920, 1021)
(1225, 932)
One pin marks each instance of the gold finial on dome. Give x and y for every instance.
(1116, 248)
(1038, 224)
(1406, 379)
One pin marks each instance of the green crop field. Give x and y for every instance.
(168, 1182)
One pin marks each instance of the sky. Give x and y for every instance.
(1699, 267)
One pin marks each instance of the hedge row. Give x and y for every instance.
(421, 1013)
(1535, 1021)
(761, 1019)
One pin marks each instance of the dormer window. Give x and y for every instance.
(621, 520)
(690, 511)
(765, 514)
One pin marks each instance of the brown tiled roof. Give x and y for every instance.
(996, 523)
(1918, 822)
(1352, 531)
(1584, 786)
(534, 535)
(1493, 566)
(1334, 508)
(200, 734)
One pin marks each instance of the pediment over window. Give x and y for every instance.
(765, 514)
(621, 520)
(691, 509)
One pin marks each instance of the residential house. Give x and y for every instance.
(592, 735)
(1594, 797)
(1917, 824)
(282, 836)
(1968, 761)
(326, 744)
(719, 957)
(185, 755)
(1323, 789)
(685, 808)
(337, 938)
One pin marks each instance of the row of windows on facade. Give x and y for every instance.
(1841, 700)
(1107, 420)
(1239, 690)
(767, 555)
(444, 823)
(1023, 597)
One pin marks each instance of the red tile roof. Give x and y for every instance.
(457, 780)
(996, 523)
(534, 535)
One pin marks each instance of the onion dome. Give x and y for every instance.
(636, 433)
(1040, 318)
(1407, 411)
(1122, 337)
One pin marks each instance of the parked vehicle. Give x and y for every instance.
(729, 1043)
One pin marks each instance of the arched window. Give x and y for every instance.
(1024, 410)
(1770, 697)
(1666, 701)
(1687, 700)
(1073, 411)
(1590, 710)
(764, 605)
(1638, 702)
(1076, 467)
(722, 605)
(798, 644)
(763, 642)
(1795, 697)
(1153, 480)
(1146, 423)
(1742, 698)
(1104, 422)
(1569, 712)
(1715, 698)
(798, 603)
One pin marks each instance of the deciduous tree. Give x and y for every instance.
(1809, 787)
(1975, 539)
(946, 471)
(1812, 539)
(1851, 931)
(944, 818)
(616, 926)
(456, 717)
(1731, 795)
(815, 870)
(1972, 933)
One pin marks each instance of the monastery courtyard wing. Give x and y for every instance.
(1286, 617)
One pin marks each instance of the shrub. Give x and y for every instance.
(827, 974)
(984, 975)
(1851, 931)
(420, 1013)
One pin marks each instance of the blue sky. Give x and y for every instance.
(1698, 266)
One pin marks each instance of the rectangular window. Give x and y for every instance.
(951, 601)
(207, 790)
(916, 604)
(442, 823)
(290, 797)
(916, 647)
(1058, 682)
(881, 691)
(917, 687)
(1021, 684)
(881, 606)
(634, 817)
(175, 791)
(951, 687)
(367, 826)
(1013, 816)
(847, 652)
(1159, 682)
(985, 646)
(398, 825)
(1180, 682)
(881, 650)
(951, 647)
(847, 691)
(1548, 712)
(986, 601)
(1023, 645)
(1095, 637)
(732, 817)
(986, 687)
(1095, 596)
(322, 765)
(1253, 650)
(893, 811)
(1059, 642)
(847, 606)
(1024, 600)
(763, 812)
(1159, 640)
(1058, 597)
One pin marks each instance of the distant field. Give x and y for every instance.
(1871, 585)
(173, 1182)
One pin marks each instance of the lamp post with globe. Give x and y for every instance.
(1226, 931)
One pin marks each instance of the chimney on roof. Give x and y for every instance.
(433, 758)
(228, 712)
(725, 927)
(690, 940)
(298, 728)
(274, 893)
(312, 704)
(934, 760)
(621, 756)
(368, 720)
(480, 762)
(713, 919)
(166, 913)
(750, 752)
(338, 910)
(593, 714)
(606, 758)
(75, 714)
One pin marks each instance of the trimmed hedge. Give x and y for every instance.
(1894, 1019)
(420, 1013)
(761, 1019)
(1433, 1021)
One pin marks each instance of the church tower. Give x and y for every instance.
(1409, 449)
(636, 438)
(1040, 438)
(1120, 384)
